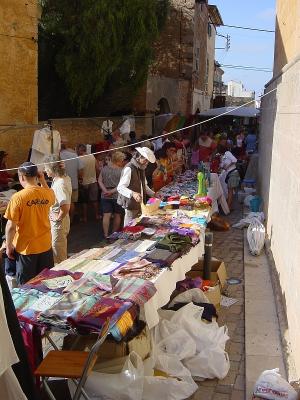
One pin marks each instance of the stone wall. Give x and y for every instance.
(17, 142)
(182, 46)
(279, 182)
(18, 62)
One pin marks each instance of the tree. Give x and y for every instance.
(101, 45)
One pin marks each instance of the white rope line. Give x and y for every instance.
(147, 140)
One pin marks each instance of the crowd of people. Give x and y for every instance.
(112, 184)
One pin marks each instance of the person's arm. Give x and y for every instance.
(10, 231)
(101, 184)
(148, 190)
(122, 187)
(63, 211)
(42, 180)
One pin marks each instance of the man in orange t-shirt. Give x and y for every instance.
(28, 232)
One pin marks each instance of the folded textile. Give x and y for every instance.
(162, 257)
(94, 318)
(175, 243)
(143, 269)
(40, 282)
(91, 283)
(136, 290)
(71, 305)
(28, 303)
(126, 256)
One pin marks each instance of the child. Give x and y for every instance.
(195, 156)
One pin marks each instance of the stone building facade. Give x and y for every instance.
(279, 165)
(181, 77)
(18, 61)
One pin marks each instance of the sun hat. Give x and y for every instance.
(147, 153)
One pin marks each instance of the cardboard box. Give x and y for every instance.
(218, 278)
(141, 344)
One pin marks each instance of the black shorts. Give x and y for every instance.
(26, 267)
(111, 206)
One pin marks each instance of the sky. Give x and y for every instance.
(249, 48)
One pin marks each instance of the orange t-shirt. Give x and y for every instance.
(29, 209)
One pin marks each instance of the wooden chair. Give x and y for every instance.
(75, 365)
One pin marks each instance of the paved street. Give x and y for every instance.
(229, 247)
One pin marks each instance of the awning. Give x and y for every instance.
(250, 112)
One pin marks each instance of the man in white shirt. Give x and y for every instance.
(133, 186)
(73, 166)
(89, 186)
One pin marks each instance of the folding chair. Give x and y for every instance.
(75, 365)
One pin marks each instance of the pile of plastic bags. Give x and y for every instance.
(184, 349)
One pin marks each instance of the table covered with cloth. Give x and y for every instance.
(130, 277)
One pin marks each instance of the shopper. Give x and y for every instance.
(89, 186)
(133, 188)
(28, 232)
(74, 166)
(109, 179)
(232, 178)
(251, 142)
(206, 146)
(59, 214)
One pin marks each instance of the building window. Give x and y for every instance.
(209, 29)
(207, 71)
(197, 58)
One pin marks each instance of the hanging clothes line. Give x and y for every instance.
(151, 139)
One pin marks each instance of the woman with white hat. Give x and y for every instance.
(133, 188)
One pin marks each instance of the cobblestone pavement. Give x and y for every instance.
(228, 246)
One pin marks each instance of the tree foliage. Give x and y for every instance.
(101, 45)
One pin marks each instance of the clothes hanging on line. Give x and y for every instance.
(42, 147)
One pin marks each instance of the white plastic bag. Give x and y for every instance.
(256, 237)
(210, 363)
(127, 385)
(204, 335)
(270, 385)
(178, 386)
(244, 222)
(192, 295)
(179, 343)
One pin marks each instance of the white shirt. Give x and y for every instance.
(62, 188)
(227, 159)
(72, 166)
(89, 170)
(125, 181)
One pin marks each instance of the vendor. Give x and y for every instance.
(132, 188)
(232, 178)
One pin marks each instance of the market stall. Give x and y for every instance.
(132, 277)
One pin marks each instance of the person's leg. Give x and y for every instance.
(93, 198)
(45, 260)
(59, 232)
(118, 212)
(26, 266)
(106, 223)
(74, 200)
(107, 211)
(230, 198)
(117, 222)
